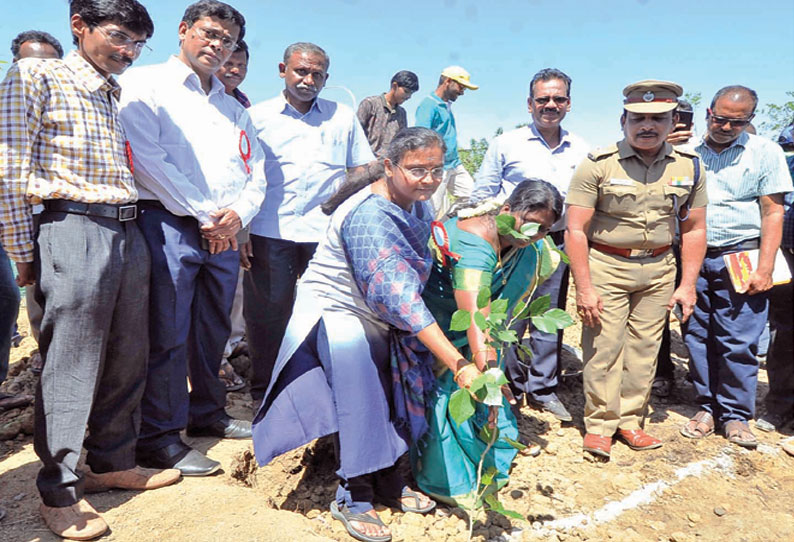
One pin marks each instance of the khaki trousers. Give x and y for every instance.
(620, 353)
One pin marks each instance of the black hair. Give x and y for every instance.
(218, 10)
(535, 195)
(308, 48)
(407, 139)
(407, 80)
(684, 105)
(550, 74)
(127, 13)
(242, 46)
(36, 36)
(737, 91)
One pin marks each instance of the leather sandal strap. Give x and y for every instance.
(362, 518)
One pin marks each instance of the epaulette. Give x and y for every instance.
(603, 152)
(686, 150)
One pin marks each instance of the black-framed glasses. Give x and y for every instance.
(716, 119)
(559, 100)
(119, 39)
(209, 35)
(419, 173)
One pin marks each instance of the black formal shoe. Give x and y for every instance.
(180, 456)
(226, 427)
(554, 406)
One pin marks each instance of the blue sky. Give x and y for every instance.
(602, 44)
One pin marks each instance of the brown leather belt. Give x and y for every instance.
(630, 252)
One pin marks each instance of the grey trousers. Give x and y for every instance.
(93, 284)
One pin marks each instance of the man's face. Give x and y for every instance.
(452, 90)
(647, 131)
(728, 119)
(304, 75)
(549, 103)
(37, 49)
(206, 45)
(402, 95)
(100, 45)
(233, 72)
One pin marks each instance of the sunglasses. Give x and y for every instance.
(559, 100)
(738, 123)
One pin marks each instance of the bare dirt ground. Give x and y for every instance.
(687, 491)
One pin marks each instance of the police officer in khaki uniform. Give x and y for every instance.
(623, 204)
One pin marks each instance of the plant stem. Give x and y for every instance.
(479, 493)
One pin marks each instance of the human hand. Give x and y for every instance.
(246, 253)
(219, 245)
(225, 226)
(680, 136)
(589, 307)
(467, 375)
(686, 296)
(25, 274)
(758, 282)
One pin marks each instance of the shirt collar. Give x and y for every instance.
(626, 151)
(89, 76)
(535, 134)
(317, 104)
(184, 74)
(386, 104)
(439, 100)
(740, 141)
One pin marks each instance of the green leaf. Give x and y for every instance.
(488, 476)
(526, 351)
(486, 434)
(484, 297)
(500, 305)
(563, 255)
(497, 318)
(507, 336)
(460, 321)
(520, 308)
(515, 444)
(540, 305)
(530, 228)
(511, 513)
(479, 319)
(506, 225)
(461, 406)
(478, 385)
(552, 320)
(496, 506)
(496, 376)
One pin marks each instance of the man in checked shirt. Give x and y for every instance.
(61, 144)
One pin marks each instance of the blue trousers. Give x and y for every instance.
(9, 308)
(191, 297)
(780, 357)
(722, 337)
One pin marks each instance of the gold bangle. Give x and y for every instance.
(459, 371)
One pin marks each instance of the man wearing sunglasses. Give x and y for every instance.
(199, 171)
(747, 178)
(91, 271)
(542, 150)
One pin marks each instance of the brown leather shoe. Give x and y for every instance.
(137, 478)
(597, 445)
(76, 522)
(637, 439)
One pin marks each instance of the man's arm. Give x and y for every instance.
(693, 250)
(588, 302)
(771, 233)
(488, 181)
(364, 114)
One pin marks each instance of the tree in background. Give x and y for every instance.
(472, 157)
(777, 116)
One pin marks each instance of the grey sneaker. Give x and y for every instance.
(771, 422)
(553, 405)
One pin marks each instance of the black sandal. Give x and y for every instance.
(346, 516)
(416, 509)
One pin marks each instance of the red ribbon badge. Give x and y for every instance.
(245, 154)
(128, 150)
(441, 239)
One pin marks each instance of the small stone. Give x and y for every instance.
(19, 497)
(551, 448)
(516, 494)
(720, 511)
(311, 514)
(694, 517)
(561, 432)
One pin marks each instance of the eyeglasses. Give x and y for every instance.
(738, 123)
(419, 173)
(559, 100)
(119, 39)
(209, 35)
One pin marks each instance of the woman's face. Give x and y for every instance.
(544, 217)
(416, 177)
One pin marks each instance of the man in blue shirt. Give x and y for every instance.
(780, 358)
(435, 112)
(310, 144)
(542, 150)
(746, 179)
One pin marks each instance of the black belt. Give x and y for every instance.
(749, 244)
(121, 212)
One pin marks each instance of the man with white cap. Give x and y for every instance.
(623, 203)
(435, 112)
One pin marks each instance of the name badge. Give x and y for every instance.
(681, 181)
(621, 182)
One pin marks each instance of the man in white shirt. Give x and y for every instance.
(543, 150)
(309, 143)
(199, 172)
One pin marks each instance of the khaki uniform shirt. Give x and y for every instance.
(635, 204)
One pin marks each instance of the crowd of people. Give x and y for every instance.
(161, 224)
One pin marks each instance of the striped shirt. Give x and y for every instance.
(750, 167)
(60, 138)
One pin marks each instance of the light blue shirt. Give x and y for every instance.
(752, 166)
(436, 114)
(306, 158)
(522, 153)
(187, 143)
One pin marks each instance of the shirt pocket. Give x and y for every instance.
(619, 200)
(674, 198)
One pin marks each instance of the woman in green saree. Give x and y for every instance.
(470, 255)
